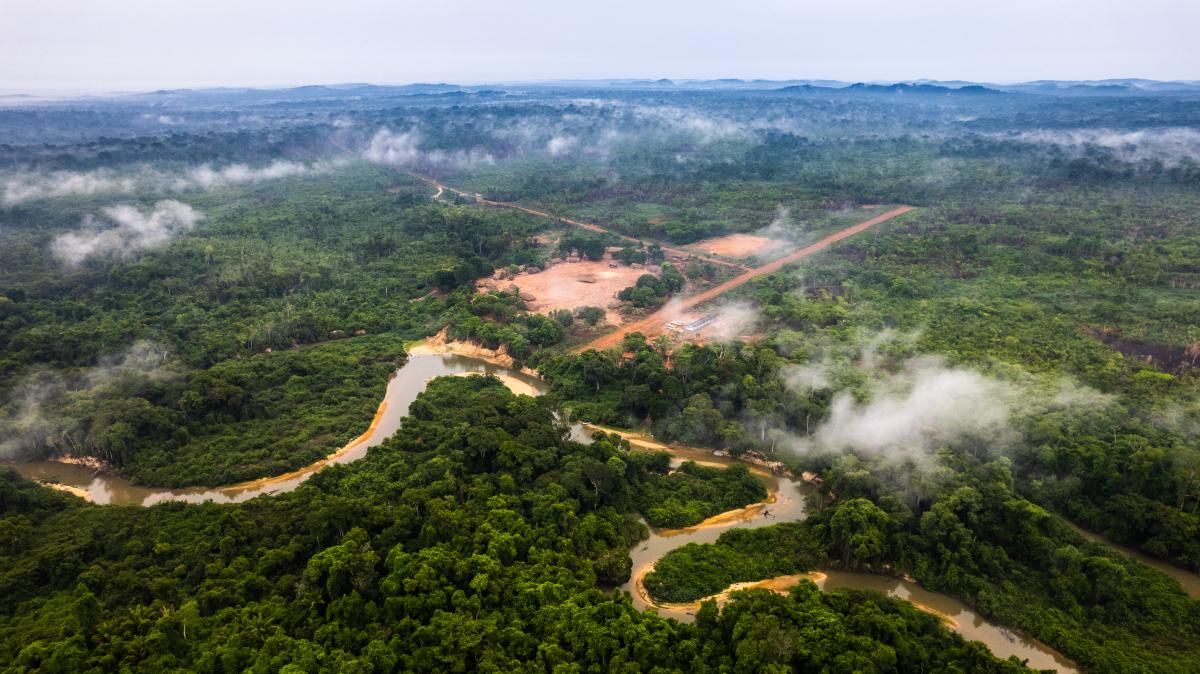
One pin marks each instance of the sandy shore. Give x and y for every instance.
(515, 385)
(92, 462)
(701, 456)
(74, 491)
(439, 344)
(779, 584)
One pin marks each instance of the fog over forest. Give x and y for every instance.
(830, 375)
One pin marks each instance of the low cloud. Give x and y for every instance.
(559, 145)
(125, 230)
(899, 408)
(736, 319)
(49, 408)
(27, 186)
(207, 177)
(1171, 145)
(24, 187)
(403, 148)
(925, 406)
(704, 127)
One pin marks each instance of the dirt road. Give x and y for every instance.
(477, 198)
(653, 324)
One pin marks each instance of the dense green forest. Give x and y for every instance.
(302, 268)
(471, 541)
(226, 300)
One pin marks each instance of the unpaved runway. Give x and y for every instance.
(653, 324)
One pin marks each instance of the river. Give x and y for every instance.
(785, 503)
(402, 389)
(1189, 581)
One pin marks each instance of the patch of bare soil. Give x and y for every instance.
(1163, 357)
(738, 245)
(654, 323)
(571, 285)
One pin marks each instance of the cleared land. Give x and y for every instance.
(653, 324)
(442, 187)
(567, 286)
(738, 245)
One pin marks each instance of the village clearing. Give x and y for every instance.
(569, 285)
(738, 245)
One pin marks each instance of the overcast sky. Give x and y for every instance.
(147, 44)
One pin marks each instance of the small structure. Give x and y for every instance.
(654, 269)
(701, 323)
(680, 328)
(613, 250)
(637, 265)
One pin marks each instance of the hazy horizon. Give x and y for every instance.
(137, 45)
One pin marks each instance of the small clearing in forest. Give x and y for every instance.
(571, 285)
(738, 245)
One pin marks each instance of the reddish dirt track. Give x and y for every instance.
(585, 225)
(652, 324)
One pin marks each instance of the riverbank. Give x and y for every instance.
(788, 505)
(72, 490)
(782, 585)
(1189, 581)
(439, 344)
(517, 386)
(83, 477)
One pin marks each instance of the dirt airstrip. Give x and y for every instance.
(653, 324)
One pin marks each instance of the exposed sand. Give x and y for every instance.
(654, 323)
(560, 287)
(738, 245)
(779, 584)
(696, 454)
(439, 344)
(74, 491)
(521, 388)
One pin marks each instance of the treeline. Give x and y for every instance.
(274, 324)
(1086, 289)
(964, 531)
(471, 540)
(722, 395)
(693, 493)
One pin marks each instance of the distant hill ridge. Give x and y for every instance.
(898, 88)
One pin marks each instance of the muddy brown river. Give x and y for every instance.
(786, 503)
(402, 389)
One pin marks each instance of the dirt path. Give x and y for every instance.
(653, 323)
(477, 198)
